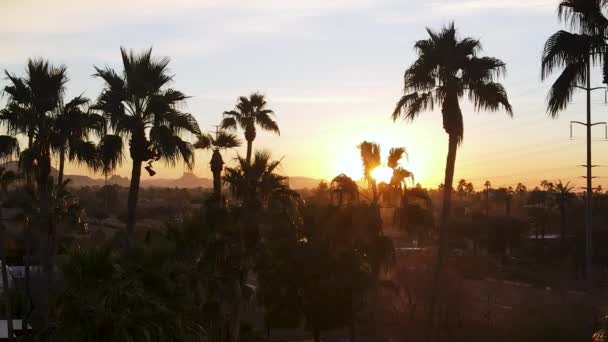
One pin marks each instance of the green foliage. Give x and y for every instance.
(140, 298)
(323, 270)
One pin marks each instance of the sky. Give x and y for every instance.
(331, 70)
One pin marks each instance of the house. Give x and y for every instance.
(17, 329)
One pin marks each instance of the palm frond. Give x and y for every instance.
(564, 48)
(110, 152)
(490, 96)
(564, 86)
(226, 140)
(394, 156)
(411, 105)
(9, 148)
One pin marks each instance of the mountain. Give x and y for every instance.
(187, 180)
(299, 183)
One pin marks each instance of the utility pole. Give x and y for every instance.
(589, 177)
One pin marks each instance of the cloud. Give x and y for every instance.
(69, 16)
(452, 6)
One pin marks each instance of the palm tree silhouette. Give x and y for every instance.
(249, 112)
(447, 69)
(222, 140)
(343, 187)
(370, 157)
(400, 174)
(257, 186)
(142, 108)
(564, 195)
(576, 53)
(32, 102)
(72, 126)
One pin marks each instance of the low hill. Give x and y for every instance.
(187, 180)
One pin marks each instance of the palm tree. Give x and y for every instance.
(71, 129)
(142, 108)
(576, 53)
(400, 174)
(343, 186)
(370, 157)
(447, 69)
(221, 140)
(564, 194)
(249, 112)
(488, 187)
(32, 102)
(257, 186)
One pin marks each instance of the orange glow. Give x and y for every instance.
(382, 174)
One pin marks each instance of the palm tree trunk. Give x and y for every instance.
(249, 151)
(443, 234)
(562, 214)
(47, 235)
(132, 200)
(61, 167)
(5, 283)
(28, 259)
(217, 185)
(30, 143)
(374, 191)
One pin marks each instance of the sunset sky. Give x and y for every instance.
(331, 70)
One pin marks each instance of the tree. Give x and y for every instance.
(32, 102)
(370, 157)
(7, 178)
(343, 187)
(250, 112)
(575, 54)
(72, 126)
(564, 195)
(488, 187)
(221, 140)
(447, 69)
(142, 108)
(257, 187)
(400, 174)
(521, 189)
(504, 197)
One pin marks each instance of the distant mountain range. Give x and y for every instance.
(187, 180)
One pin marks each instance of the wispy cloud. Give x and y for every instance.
(456, 6)
(69, 16)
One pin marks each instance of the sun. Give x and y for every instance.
(382, 174)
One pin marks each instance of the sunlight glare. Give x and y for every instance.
(382, 174)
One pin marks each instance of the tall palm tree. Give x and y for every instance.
(576, 53)
(447, 69)
(71, 129)
(222, 140)
(250, 112)
(142, 108)
(370, 157)
(30, 111)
